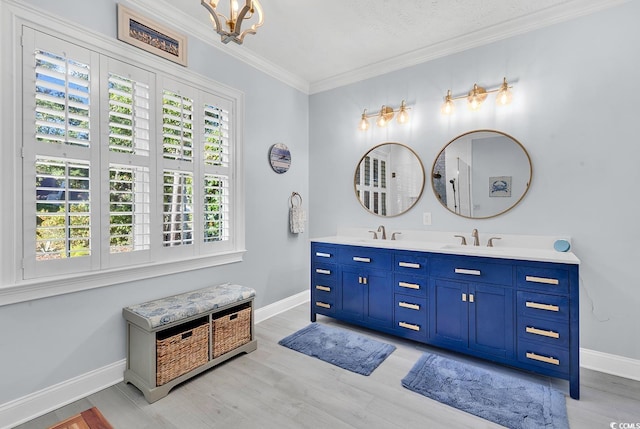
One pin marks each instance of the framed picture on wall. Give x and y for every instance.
(146, 34)
(500, 186)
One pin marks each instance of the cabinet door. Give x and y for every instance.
(449, 312)
(352, 294)
(491, 320)
(379, 308)
(367, 296)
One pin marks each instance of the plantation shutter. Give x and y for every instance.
(60, 127)
(129, 112)
(216, 154)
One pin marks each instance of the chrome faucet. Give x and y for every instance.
(474, 234)
(383, 231)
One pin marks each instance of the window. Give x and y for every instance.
(123, 165)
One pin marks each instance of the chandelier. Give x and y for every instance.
(229, 26)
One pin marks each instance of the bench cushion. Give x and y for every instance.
(182, 306)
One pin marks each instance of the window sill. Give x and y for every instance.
(60, 285)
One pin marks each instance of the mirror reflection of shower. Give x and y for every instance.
(455, 202)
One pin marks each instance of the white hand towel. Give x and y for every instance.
(297, 217)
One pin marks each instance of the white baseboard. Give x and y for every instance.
(610, 364)
(36, 404)
(264, 313)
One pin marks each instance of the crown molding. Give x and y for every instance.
(544, 18)
(173, 16)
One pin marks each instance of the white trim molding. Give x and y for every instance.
(268, 311)
(610, 364)
(46, 400)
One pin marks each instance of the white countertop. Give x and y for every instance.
(537, 253)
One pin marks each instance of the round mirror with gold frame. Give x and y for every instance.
(389, 179)
(481, 174)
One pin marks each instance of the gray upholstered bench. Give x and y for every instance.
(172, 339)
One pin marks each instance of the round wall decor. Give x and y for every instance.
(280, 158)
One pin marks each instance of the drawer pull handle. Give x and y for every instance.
(546, 359)
(466, 271)
(360, 259)
(536, 331)
(321, 271)
(323, 255)
(323, 288)
(409, 285)
(408, 305)
(408, 265)
(544, 280)
(539, 306)
(409, 326)
(323, 304)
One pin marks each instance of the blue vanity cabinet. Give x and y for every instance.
(547, 328)
(365, 292)
(515, 312)
(324, 280)
(472, 306)
(410, 285)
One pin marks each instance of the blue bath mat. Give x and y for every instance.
(339, 347)
(500, 398)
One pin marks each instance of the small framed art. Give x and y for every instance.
(146, 34)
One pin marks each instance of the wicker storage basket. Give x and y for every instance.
(230, 330)
(182, 351)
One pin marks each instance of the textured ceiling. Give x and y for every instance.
(325, 43)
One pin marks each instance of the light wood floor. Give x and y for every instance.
(275, 387)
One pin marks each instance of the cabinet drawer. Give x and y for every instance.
(543, 331)
(410, 285)
(324, 305)
(543, 356)
(322, 291)
(540, 305)
(411, 316)
(410, 263)
(552, 280)
(323, 254)
(324, 271)
(469, 269)
(365, 257)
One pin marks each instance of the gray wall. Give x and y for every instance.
(48, 341)
(575, 111)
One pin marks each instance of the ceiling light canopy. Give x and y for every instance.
(228, 24)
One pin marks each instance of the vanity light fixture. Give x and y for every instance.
(477, 96)
(234, 18)
(384, 116)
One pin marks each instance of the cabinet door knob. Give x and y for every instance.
(464, 297)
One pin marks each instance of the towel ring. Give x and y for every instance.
(294, 195)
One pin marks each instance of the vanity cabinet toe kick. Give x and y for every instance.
(518, 313)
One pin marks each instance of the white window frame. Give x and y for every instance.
(13, 287)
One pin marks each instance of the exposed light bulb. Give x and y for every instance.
(475, 98)
(403, 115)
(504, 96)
(364, 123)
(382, 120)
(449, 106)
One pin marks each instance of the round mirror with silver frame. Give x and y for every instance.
(389, 179)
(481, 174)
